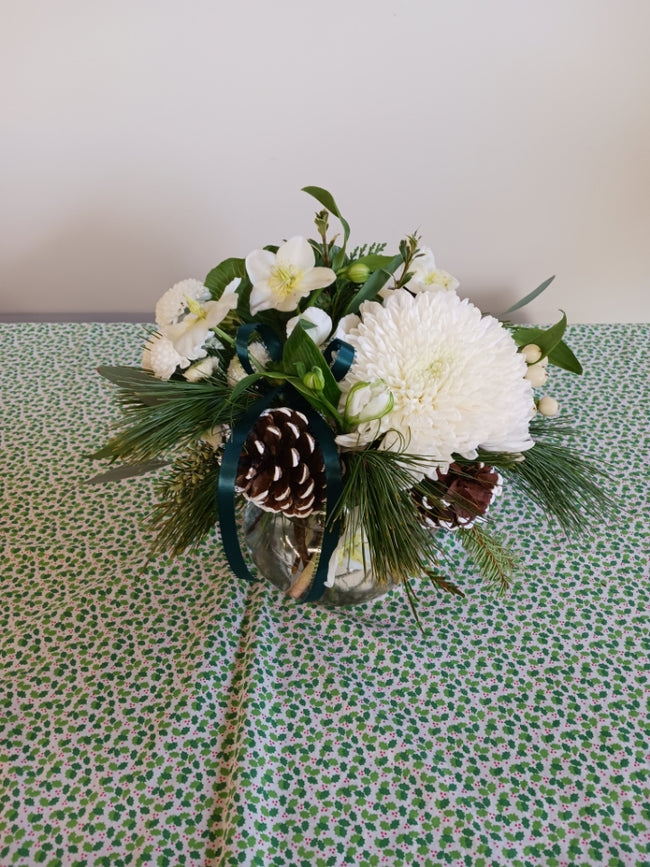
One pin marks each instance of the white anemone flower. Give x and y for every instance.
(281, 279)
(456, 376)
(317, 324)
(189, 335)
(427, 277)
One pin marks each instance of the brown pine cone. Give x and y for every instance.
(281, 468)
(458, 497)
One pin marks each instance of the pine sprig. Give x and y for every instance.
(567, 486)
(187, 505)
(159, 415)
(377, 503)
(494, 560)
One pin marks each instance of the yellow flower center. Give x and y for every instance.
(285, 279)
(437, 278)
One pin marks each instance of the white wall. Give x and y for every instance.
(145, 140)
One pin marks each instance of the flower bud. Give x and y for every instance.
(367, 401)
(314, 379)
(358, 272)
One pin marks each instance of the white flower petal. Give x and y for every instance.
(319, 319)
(296, 251)
(259, 264)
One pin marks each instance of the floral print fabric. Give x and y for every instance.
(170, 714)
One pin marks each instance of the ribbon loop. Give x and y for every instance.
(269, 339)
(344, 357)
(226, 489)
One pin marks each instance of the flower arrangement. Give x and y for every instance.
(350, 390)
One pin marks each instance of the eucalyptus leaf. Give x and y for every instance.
(126, 471)
(528, 298)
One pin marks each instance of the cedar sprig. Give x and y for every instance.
(186, 508)
(496, 563)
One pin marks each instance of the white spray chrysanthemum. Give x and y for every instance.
(457, 379)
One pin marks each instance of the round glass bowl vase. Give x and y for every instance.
(283, 548)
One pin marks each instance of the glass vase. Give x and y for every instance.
(283, 548)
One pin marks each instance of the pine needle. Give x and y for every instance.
(566, 485)
(377, 502)
(159, 415)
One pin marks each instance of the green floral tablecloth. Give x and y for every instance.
(170, 714)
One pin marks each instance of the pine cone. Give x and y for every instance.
(281, 468)
(458, 497)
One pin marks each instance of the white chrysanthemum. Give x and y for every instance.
(160, 357)
(236, 371)
(173, 303)
(457, 379)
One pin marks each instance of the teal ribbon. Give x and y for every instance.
(344, 357)
(269, 338)
(232, 452)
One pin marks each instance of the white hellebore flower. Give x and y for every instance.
(281, 279)
(316, 323)
(427, 277)
(191, 332)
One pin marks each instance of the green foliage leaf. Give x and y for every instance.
(375, 261)
(550, 342)
(223, 274)
(373, 284)
(126, 471)
(530, 297)
(299, 350)
(561, 356)
(327, 201)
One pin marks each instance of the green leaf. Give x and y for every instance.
(373, 284)
(327, 201)
(300, 349)
(561, 356)
(375, 261)
(546, 338)
(125, 472)
(528, 298)
(223, 274)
